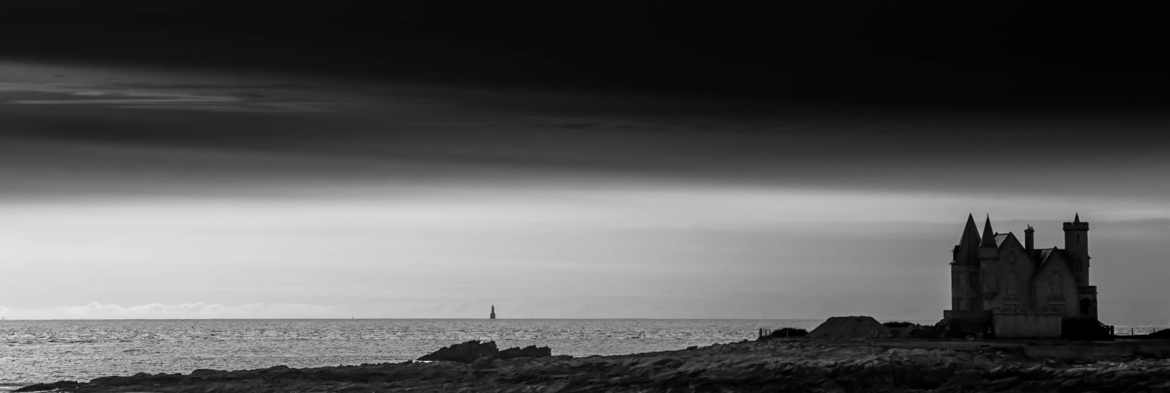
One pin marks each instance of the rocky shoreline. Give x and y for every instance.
(776, 365)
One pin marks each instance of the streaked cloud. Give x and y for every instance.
(210, 98)
(98, 310)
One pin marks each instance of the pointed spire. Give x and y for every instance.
(1077, 219)
(988, 234)
(970, 233)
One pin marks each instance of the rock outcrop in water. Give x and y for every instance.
(777, 365)
(471, 351)
(530, 351)
(466, 352)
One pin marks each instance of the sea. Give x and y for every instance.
(80, 350)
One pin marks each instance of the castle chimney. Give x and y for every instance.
(1030, 238)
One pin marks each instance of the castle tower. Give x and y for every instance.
(965, 271)
(1076, 243)
(988, 259)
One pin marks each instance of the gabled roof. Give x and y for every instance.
(1045, 253)
(1046, 256)
(1002, 238)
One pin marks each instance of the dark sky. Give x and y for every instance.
(744, 81)
(1051, 54)
(641, 159)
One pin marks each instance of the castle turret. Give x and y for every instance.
(988, 259)
(988, 250)
(1076, 244)
(988, 235)
(967, 251)
(965, 270)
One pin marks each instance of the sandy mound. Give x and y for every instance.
(853, 327)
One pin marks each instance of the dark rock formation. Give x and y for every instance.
(464, 352)
(1084, 329)
(776, 365)
(530, 351)
(41, 387)
(786, 332)
(471, 351)
(1164, 333)
(910, 330)
(897, 324)
(924, 331)
(852, 327)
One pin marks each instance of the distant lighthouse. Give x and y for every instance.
(493, 314)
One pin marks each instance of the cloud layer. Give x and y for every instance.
(97, 310)
(433, 201)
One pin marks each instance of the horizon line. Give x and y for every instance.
(8, 319)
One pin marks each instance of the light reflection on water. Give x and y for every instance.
(46, 351)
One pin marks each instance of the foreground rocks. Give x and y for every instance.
(777, 365)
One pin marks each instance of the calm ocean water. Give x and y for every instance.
(46, 351)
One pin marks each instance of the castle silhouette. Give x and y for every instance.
(1004, 288)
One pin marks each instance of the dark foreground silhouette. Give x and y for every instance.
(773, 365)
